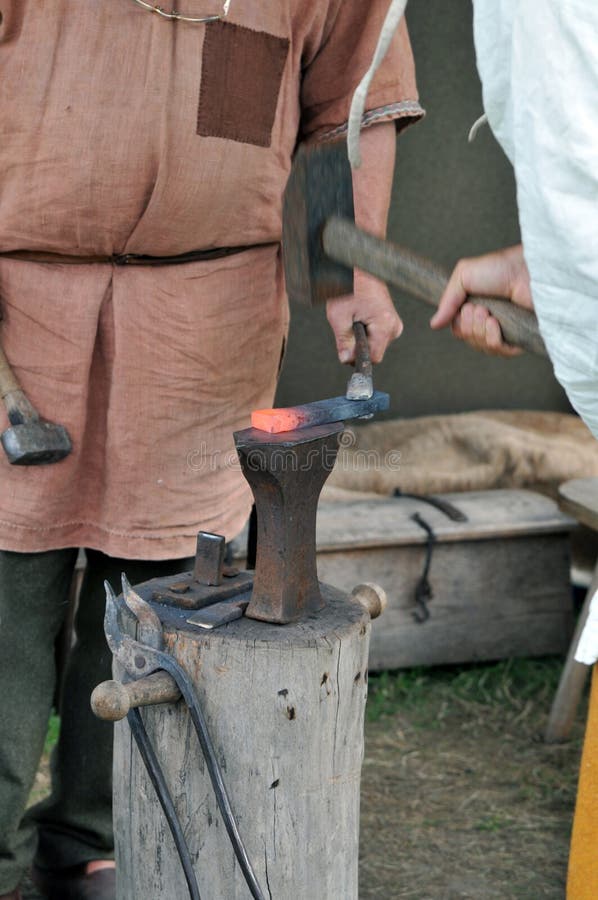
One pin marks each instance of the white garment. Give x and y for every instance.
(538, 61)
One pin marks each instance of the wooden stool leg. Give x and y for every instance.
(573, 679)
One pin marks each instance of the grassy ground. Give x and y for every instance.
(42, 780)
(460, 797)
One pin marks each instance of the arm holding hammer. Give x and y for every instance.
(370, 302)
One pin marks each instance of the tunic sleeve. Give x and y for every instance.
(341, 60)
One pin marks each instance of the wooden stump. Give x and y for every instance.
(285, 708)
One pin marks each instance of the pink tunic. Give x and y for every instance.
(125, 133)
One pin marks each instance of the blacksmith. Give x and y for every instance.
(128, 133)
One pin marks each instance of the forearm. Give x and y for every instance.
(372, 182)
(370, 302)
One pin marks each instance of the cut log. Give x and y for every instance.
(285, 708)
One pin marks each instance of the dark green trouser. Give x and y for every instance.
(74, 825)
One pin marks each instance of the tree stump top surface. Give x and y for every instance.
(340, 616)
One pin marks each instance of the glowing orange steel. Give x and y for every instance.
(276, 420)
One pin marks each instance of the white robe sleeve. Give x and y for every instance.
(538, 61)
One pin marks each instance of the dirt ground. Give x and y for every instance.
(460, 796)
(461, 799)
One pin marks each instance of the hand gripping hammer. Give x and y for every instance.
(322, 245)
(30, 441)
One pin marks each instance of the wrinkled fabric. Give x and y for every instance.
(472, 451)
(116, 139)
(150, 370)
(539, 68)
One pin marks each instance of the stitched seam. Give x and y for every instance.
(203, 88)
(398, 110)
(84, 524)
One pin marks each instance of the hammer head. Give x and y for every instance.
(35, 443)
(320, 185)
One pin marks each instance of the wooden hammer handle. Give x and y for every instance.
(17, 405)
(8, 380)
(421, 278)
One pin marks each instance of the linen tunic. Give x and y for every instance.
(122, 132)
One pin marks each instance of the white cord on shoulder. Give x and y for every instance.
(392, 21)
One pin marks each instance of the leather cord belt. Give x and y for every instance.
(131, 259)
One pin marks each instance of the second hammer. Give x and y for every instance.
(30, 440)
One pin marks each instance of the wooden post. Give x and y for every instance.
(572, 681)
(285, 709)
(579, 498)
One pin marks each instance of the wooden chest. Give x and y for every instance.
(500, 580)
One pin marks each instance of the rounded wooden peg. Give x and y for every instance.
(112, 700)
(372, 597)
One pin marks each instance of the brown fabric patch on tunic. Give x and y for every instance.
(240, 83)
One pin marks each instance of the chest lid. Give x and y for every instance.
(389, 521)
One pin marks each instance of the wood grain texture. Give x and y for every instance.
(387, 522)
(492, 599)
(285, 709)
(501, 579)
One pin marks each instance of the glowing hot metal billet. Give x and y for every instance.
(322, 412)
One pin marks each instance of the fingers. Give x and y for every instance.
(376, 310)
(498, 274)
(474, 325)
(381, 332)
(340, 319)
(453, 298)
